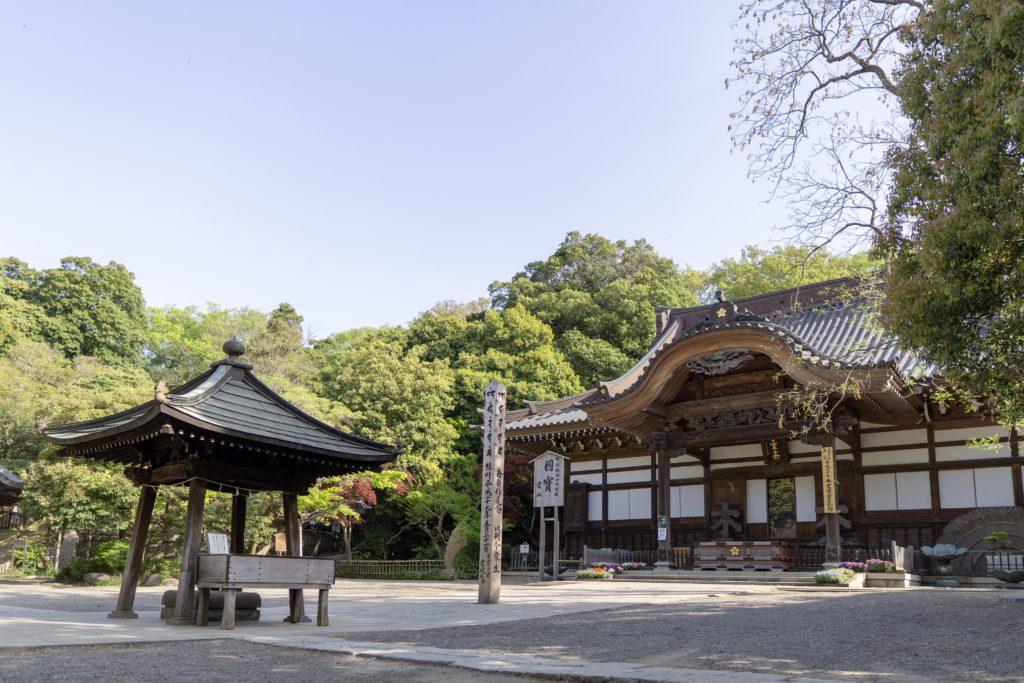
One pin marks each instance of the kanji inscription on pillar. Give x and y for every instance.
(547, 481)
(828, 479)
(491, 492)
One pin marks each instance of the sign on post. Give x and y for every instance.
(491, 492)
(547, 481)
(828, 480)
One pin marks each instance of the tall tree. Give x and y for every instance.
(759, 270)
(957, 216)
(819, 108)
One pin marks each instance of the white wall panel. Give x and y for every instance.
(640, 503)
(913, 491)
(961, 453)
(595, 508)
(805, 500)
(689, 472)
(898, 438)
(970, 433)
(749, 450)
(691, 501)
(757, 501)
(879, 491)
(993, 486)
(585, 478)
(956, 489)
(640, 461)
(883, 458)
(629, 477)
(618, 504)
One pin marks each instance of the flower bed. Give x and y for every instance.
(593, 573)
(634, 565)
(875, 565)
(835, 575)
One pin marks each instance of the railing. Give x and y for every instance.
(12, 520)
(389, 569)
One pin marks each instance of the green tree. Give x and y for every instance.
(605, 291)
(92, 309)
(64, 495)
(759, 270)
(956, 288)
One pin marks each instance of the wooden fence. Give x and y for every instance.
(389, 569)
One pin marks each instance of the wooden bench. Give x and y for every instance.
(232, 573)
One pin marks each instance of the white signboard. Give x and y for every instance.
(547, 480)
(217, 544)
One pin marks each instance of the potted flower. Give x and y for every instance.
(592, 573)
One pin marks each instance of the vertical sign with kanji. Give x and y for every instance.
(547, 481)
(491, 492)
(828, 479)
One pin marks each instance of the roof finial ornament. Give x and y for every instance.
(234, 347)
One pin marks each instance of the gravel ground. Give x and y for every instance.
(218, 661)
(927, 634)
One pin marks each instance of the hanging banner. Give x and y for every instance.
(491, 492)
(547, 481)
(829, 497)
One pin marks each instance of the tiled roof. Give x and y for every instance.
(813, 322)
(230, 400)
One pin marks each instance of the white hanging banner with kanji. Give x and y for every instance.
(547, 480)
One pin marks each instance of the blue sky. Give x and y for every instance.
(364, 160)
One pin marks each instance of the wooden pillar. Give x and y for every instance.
(830, 502)
(184, 610)
(293, 548)
(664, 526)
(238, 522)
(136, 552)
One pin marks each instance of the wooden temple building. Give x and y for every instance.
(699, 440)
(223, 431)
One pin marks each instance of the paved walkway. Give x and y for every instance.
(382, 619)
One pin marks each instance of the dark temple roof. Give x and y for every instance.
(828, 325)
(228, 400)
(10, 487)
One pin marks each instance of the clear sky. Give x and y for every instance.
(364, 160)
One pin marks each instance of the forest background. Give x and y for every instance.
(77, 342)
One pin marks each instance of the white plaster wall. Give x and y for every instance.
(757, 501)
(902, 437)
(961, 453)
(629, 477)
(956, 489)
(805, 500)
(882, 458)
(595, 507)
(749, 450)
(689, 472)
(639, 461)
(879, 491)
(993, 486)
(913, 491)
(688, 501)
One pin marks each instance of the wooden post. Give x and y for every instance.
(830, 503)
(183, 608)
(542, 546)
(293, 544)
(136, 553)
(238, 502)
(491, 491)
(556, 550)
